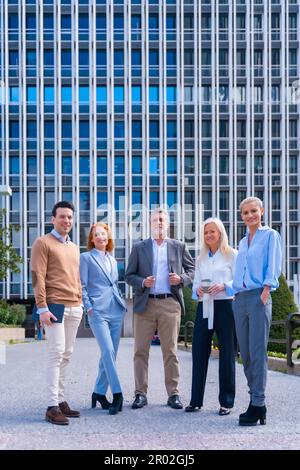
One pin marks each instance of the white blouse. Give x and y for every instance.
(104, 257)
(219, 268)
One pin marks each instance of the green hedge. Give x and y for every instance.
(14, 314)
(282, 305)
(190, 306)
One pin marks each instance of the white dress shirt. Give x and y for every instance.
(220, 270)
(105, 261)
(160, 268)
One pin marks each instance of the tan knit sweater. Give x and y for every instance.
(55, 272)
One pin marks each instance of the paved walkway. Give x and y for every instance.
(22, 407)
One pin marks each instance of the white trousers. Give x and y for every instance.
(60, 344)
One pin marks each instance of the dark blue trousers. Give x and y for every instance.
(201, 349)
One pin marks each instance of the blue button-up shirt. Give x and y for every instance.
(258, 264)
(62, 240)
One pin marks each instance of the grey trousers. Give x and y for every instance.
(252, 322)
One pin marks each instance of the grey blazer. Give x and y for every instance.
(140, 266)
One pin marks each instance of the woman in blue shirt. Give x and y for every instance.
(257, 270)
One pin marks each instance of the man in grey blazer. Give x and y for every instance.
(157, 269)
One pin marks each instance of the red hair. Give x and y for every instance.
(90, 244)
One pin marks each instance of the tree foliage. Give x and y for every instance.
(9, 258)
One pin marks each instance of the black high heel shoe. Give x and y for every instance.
(192, 408)
(117, 404)
(253, 415)
(101, 399)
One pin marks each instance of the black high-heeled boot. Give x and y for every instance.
(253, 415)
(101, 399)
(117, 404)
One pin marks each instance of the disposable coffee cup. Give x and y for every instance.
(205, 284)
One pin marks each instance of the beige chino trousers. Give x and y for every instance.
(60, 344)
(164, 316)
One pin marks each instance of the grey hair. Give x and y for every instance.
(160, 210)
(249, 200)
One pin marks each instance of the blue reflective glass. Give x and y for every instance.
(154, 129)
(31, 129)
(66, 164)
(153, 21)
(31, 57)
(119, 130)
(171, 22)
(154, 198)
(154, 165)
(48, 57)
(83, 57)
(153, 57)
(136, 57)
(13, 57)
(66, 94)
(119, 200)
(100, 21)
(118, 22)
(66, 129)
(171, 129)
(49, 129)
(30, 21)
(171, 165)
(136, 22)
(101, 198)
(101, 94)
(119, 94)
(84, 200)
(32, 165)
(171, 57)
(84, 94)
(171, 94)
(14, 165)
(101, 129)
(101, 57)
(48, 21)
(14, 94)
(13, 129)
(119, 57)
(13, 21)
(136, 197)
(49, 94)
(49, 166)
(31, 94)
(153, 94)
(83, 21)
(136, 93)
(136, 165)
(101, 165)
(84, 165)
(171, 198)
(65, 22)
(119, 165)
(84, 129)
(66, 57)
(136, 128)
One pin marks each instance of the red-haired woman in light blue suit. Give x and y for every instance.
(106, 308)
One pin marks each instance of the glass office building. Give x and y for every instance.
(120, 105)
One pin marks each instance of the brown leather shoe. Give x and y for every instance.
(66, 410)
(55, 416)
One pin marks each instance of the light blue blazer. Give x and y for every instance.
(98, 286)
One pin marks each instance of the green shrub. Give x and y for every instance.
(190, 306)
(17, 313)
(282, 305)
(4, 312)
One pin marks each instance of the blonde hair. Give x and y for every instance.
(248, 200)
(224, 247)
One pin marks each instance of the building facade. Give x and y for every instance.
(122, 105)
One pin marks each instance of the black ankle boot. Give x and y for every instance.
(253, 415)
(101, 399)
(117, 404)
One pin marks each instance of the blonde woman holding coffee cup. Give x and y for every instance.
(214, 269)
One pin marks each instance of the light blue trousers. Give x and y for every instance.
(252, 322)
(106, 328)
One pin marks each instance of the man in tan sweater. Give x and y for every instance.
(56, 280)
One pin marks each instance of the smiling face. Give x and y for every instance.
(212, 235)
(100, 238)
(251, 214)
(159, 225)
(63, 220)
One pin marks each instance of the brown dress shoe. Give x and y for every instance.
(55, 416)
(66, 410)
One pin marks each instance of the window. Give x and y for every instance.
(153, 21)
(13, 129)
(66, 129)
(48, 57)
(13, 21)
(31, 57)
(188, 128)
(13, 58)
(118, 22)
(31, 129)
(136, 94)
(101, 57)
(83, 21)
(49, 94)
(223, 129)
(206, 129)
(14, 165)
(171, 94)
(275, 128)
(153, 94)
(31, 94)
(172, 165)
(31, 165)
(136, 57)
(84, 129)
(101, 94)
(49, 129)
(119, 94)
(119, 57)
(84, 165)
(66, 164)
(66, 57)
(154, 129)
(83, 57)
(171, 129)
(66, 94)
(48, 21)
(101, 165)
(84, 94)
(30, 21)
(119, 165)
(154, 165)
(188, 94)
(136, 165)
(119, 130)
(101, 129)
(171, 57)
(136, 22)
(13, 94)
(153, 57)
(100, 21)
(65, 22)
(49, 165)
(136, 129)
